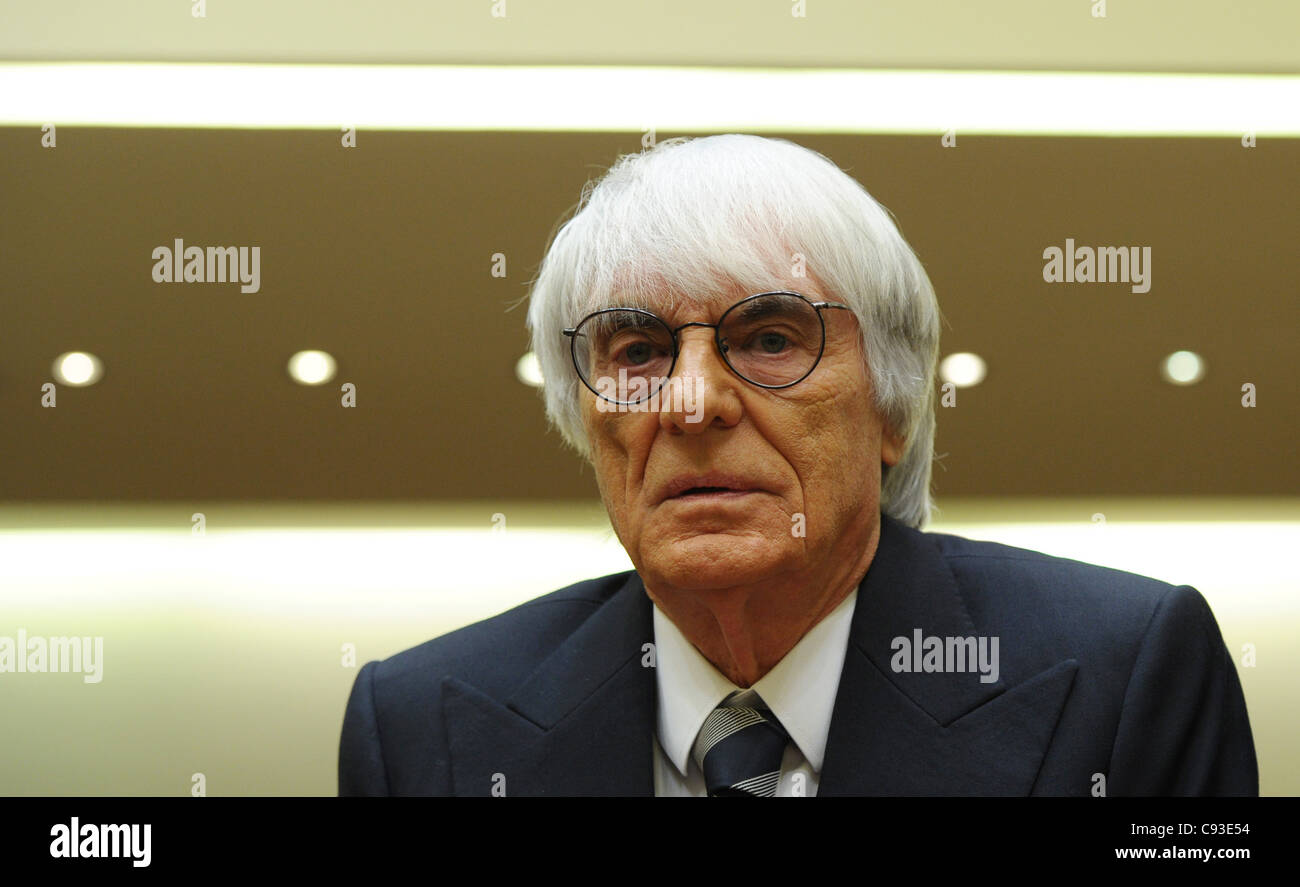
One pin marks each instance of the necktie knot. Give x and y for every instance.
(739, 751)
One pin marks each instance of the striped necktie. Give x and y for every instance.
(739, 752)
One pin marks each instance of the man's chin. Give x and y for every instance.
(718, 560)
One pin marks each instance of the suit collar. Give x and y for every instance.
(581, 724)
(909, 587)
(602, 647)
(918, 733)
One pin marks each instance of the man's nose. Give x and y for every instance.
(702, 392)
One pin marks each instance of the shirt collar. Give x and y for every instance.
(800, 689)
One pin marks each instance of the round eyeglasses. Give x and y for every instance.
(772, 340)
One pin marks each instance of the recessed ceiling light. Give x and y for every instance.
(963, 369)
(78, 368)
(1183, 368)
(311, 367)
(529, 370)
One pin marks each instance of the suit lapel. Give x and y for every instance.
(582, 724)
(918, 733)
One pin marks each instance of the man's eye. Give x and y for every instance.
(771, 343)
(638, 353)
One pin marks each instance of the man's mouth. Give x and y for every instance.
(707, 486)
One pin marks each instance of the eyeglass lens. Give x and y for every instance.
(772, 340)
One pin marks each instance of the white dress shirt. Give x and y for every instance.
(800, 690)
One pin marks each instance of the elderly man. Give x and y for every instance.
(738, 339)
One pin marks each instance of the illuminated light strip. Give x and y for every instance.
(622, 99)
(300, 569)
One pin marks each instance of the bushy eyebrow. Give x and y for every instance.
(629, 321)
(760, 308)
(753, 310)
(611, 324)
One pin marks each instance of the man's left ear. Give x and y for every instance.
(891, 447)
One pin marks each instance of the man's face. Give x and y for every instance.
(801, 465)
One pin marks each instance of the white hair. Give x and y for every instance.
(687, 214)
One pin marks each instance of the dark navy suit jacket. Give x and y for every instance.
(1102, 674)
